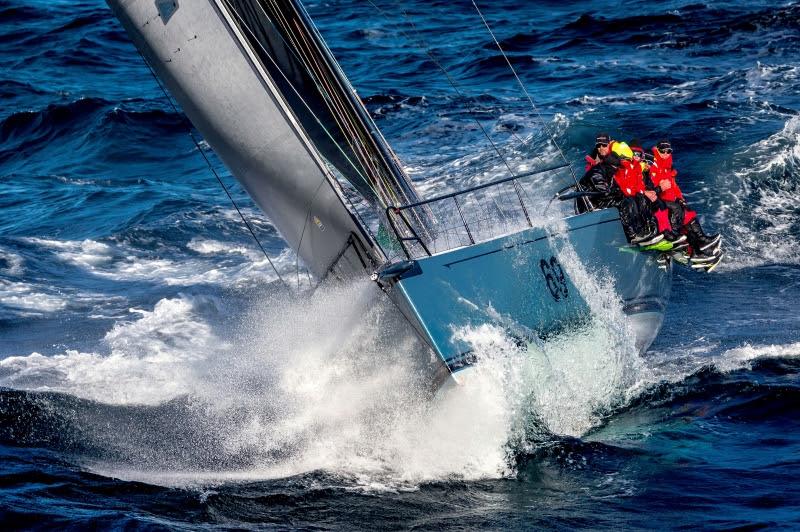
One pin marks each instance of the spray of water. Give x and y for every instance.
(336, 382)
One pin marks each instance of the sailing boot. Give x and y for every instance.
(675, 238)
(681, 257)
(647, 238)
(701, 243)
(706, 265)
(680, 245)
(700, 259)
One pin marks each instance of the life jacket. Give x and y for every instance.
(662, 169)
(590, 161)
(629, 178)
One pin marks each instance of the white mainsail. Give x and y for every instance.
(278, 116)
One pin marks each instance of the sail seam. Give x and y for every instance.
(297, 93)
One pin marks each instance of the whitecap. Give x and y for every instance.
(759, 210)
(149, 360)
(28, 297)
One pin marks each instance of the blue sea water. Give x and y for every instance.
(153, 375)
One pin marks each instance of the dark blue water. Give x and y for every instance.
(153, 375)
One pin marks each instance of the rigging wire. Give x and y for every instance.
(345, 119)
(213, 171)
(334, 104)
(294, 89)
(450, 79)
(326, 171)
(525, 90)
(519, 190)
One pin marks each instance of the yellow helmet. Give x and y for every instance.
(622, 150)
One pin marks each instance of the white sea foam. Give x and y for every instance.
(763, 78)
(742, 357)
(675, 365)
(334, 382)
(29, 298)
(760, 212)
(215, 247)
(330, 383)
(753, 85)
(145, 361)
(13, 265)
(119, 261)
(577, 376)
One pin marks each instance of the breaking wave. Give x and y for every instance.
(332, 384)
(759, 210)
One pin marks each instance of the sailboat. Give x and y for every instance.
(258, 82)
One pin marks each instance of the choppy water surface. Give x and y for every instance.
(152, 373)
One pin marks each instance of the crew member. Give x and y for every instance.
(634, 209)
(602, 147)
(615, 177)
(648, 197)
(662, 175)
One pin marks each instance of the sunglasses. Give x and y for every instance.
(665, 150)
(601, 145)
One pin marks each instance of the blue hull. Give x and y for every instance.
(517, 282)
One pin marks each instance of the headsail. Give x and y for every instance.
(275, 107)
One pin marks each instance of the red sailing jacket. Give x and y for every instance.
(662, 169)
(629, 178)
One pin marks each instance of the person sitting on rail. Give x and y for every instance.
(682, 218)
(616, 180)
(602, 147)
(648, 198)
(634, 208)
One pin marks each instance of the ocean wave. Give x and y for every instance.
(21, 13)
(124, 262)
(690, 26)
(10, 88)
(383, 104)
(740, 384)
(88, 20)
(28, 299)
(26, 129)
(252, 401)
(11, 264)
(357, 414)
(150, 355)
(173, 401)
(41, 123)
(760, 211)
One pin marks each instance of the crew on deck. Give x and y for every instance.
(602, 147)
(618, 177)
(682, 218)
(643, 187)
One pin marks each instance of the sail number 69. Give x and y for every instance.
(554, 276)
